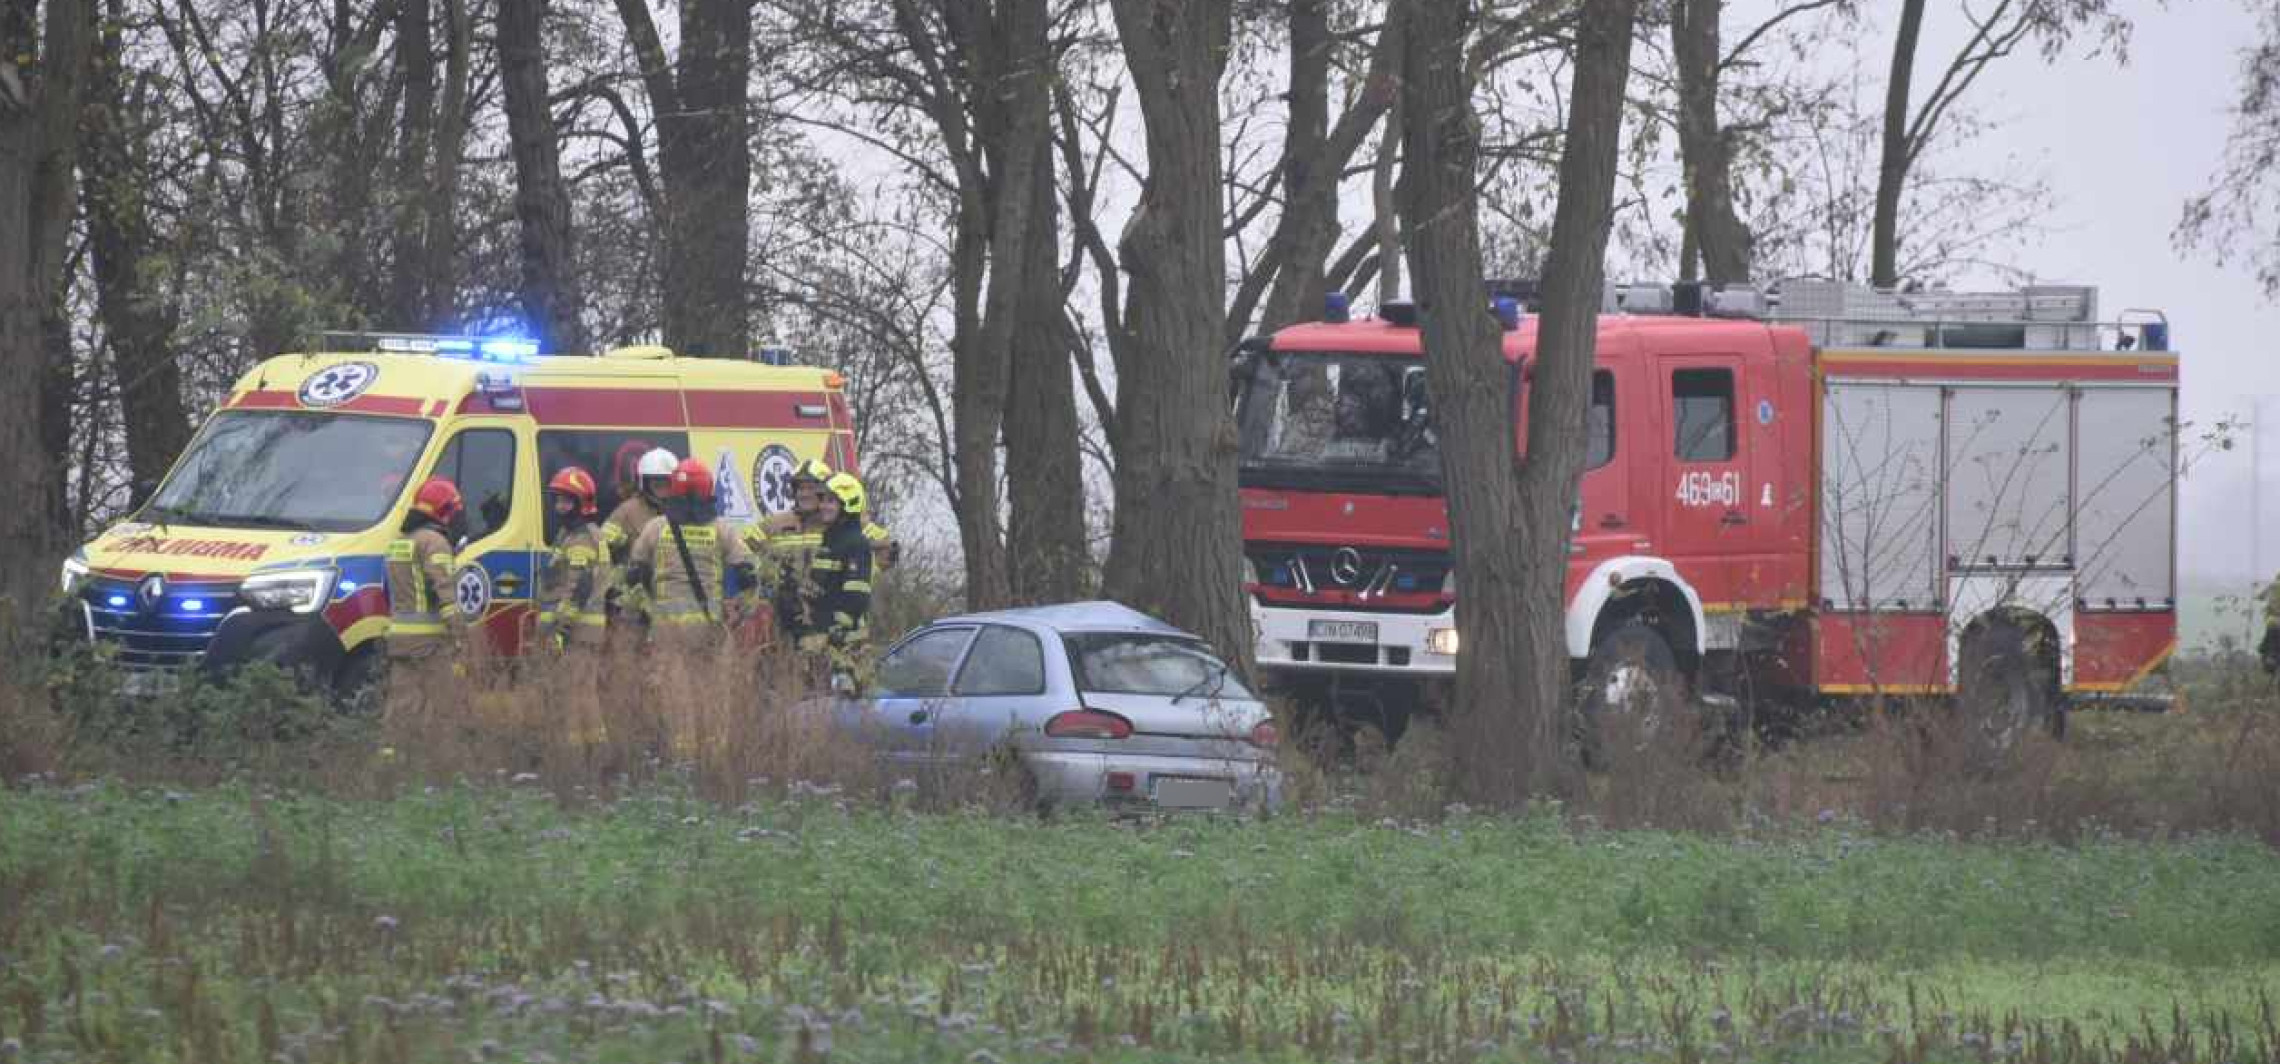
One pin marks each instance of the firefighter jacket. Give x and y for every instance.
(689, 590)
(836, 594)
(786, 545)
(423, 603)
(572, 592)
(618, 533)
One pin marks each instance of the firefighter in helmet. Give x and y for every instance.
(572, 593)
(685, 559)
(835, 598)
(653, 474)
(788, 540)
(425, 623)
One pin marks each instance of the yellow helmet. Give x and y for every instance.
(852, 498)
(814, 469)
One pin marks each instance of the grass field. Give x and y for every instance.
(501, 922)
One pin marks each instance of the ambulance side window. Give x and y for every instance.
(1702, 405)
(1599, 424)
(609, 455)
(482, 463)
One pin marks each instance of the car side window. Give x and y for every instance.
(481, 462)
(1005, 661)
(920, 667)
(1702, 408)
(1599, 425)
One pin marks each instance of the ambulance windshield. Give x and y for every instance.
(291, 469)
(1337, 421)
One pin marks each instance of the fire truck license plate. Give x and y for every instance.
(1342, 631)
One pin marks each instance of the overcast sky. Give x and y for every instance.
(2123, 147)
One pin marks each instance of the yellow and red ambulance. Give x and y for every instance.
(268, 540)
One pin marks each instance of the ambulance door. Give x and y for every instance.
(1706, 519)
(493, 462)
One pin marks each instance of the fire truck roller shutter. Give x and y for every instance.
(1629, 574)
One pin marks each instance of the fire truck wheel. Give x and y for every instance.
(1632, 689)
(2008, 687)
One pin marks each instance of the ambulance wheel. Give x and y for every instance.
(360, 685)
(2008, 687)
(1632, 687)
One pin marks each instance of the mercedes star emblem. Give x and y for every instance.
(1346, 566)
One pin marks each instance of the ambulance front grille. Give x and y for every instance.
(169, 634)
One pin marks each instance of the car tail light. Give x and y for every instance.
(1266, 735)
(1088, 724)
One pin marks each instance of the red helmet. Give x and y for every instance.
(577, 484)
(692, 479)
(438, 500)
(628, 456)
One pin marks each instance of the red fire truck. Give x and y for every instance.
(1861, 493)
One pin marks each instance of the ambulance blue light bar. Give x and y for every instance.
(472, 348)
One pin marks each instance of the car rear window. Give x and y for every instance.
(1122, 664)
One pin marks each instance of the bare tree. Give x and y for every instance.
(1910, 125)
(698, 100)
(1508, 516)
(136, 312)
(553, 303)
(1705, 147)
(1177, 546)
(39, 118)
(1044, 471)
(2240, 213)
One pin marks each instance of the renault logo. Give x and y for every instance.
(1346, 566)
(152, 592)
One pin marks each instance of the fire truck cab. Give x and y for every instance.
(1854, 496)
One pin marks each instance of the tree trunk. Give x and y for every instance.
(1177, 547)
(1892, 170)
(1509, 517)
(138, 323)
(1388, 223)
(439, 197)
(1044, 470)
(39, 115)
(406, 306)
(553, 303)
(708, 182)
(1705, 147)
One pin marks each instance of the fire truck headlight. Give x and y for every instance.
(1442, 641)
(299, 590)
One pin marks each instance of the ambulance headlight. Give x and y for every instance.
(74, 572)
(299, 590)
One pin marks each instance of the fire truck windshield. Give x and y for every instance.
(291, 469)
(1329, 421)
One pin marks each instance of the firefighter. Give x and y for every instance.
(425, 624)
(573, 592)
(835, 598)
(652, 476)
(684, 557)
(788, 540)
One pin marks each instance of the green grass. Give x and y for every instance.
(144, 925)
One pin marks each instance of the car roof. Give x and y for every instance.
(1097, 616)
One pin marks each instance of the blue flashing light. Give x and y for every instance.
(1405, 582)
(1507, 311)
(116, 602)
(193, 605)
(1279, 575)
(454, 347)
(509, 349)
(1336, 308)
(348, 587)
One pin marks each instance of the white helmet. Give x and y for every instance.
(658, 463)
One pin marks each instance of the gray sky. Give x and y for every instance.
(2122, 148)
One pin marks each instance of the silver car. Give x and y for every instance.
(1094, 701)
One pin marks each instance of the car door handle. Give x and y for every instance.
(1734, 517)
(1611, 521)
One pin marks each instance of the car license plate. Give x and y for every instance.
(149, 684)
(1342, 631)
(1173, 792)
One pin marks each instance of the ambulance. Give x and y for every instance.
(268, 540)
